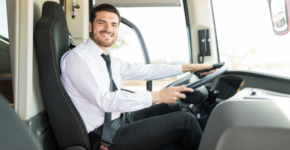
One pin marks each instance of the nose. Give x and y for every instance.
(108, 28)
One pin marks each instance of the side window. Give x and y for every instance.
(5, 63)
(4, 40)
(165, 36)
(127, 48)
(246, 38)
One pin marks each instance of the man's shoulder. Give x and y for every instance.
(78, 51)
(81, 48)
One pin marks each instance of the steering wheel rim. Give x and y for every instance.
(208, 78)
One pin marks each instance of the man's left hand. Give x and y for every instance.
(196, 67)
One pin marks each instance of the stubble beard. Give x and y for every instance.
(103, 43)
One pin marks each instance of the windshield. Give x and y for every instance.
(246, 38)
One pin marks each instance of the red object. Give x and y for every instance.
(104, 147)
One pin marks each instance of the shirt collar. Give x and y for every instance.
(95, 48)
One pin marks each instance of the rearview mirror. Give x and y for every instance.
(279, 16)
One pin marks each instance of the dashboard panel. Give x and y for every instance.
(232, 82)
(251, 119)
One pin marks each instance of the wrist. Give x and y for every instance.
(187, 67)
(155, 97)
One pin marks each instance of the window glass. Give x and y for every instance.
(127, 46)
(246, 38)
(5, 63)
(164, 33)
(128, 49)
(3, 20)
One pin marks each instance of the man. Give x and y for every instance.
(85, 76)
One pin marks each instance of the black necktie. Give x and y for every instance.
(113, 87)
(108, 63)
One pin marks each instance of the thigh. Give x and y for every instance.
(155, 110)
(153, 133)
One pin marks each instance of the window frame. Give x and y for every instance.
(216, 38)
(187, 22)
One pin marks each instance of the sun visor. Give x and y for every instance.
(140, 3)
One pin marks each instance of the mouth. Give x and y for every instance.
(106, 35)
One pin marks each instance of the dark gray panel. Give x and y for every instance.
(259, 80)
(14, 133)
(40, 127)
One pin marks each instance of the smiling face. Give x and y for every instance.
(104, 29)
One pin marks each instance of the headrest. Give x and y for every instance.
(52, 41)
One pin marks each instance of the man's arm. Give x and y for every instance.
(87, 79)
(152, 72)
(195, 67)
(170, 95)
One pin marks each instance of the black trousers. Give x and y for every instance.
(157, 127)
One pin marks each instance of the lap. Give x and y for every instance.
(155, 110)
(154, 132)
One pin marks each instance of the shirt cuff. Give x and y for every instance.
(145, 98)
(176, 70)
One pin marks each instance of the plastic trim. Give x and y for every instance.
(216, 39)
(188, 30)
(258, 74)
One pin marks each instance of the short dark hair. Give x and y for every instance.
(104, 7)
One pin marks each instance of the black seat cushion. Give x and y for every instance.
(52, 41)
(14, 135)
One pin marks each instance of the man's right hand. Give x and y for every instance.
(170, 95)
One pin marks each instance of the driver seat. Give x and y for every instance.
(52, 41)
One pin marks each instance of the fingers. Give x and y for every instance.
(178, 96)
(182, 96)
(207, 66)
(206, 73)
(182, 88)
(172, 94)
(197, 67)
(204, 66)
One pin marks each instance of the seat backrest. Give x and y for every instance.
(14, 134)
(52, 41)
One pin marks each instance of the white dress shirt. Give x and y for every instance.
(86, 80)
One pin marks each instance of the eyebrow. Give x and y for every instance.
(100, 20)
(105, 21)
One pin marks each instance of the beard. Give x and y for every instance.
(103, 42)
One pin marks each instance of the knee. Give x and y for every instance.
(188, 118)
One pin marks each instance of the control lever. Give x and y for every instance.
(211, 97)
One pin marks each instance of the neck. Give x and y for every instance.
(105, 49)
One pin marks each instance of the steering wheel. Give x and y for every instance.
(192, 81)
(210, 77)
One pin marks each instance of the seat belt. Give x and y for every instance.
(108, 132)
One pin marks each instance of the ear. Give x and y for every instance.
(90, 26)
